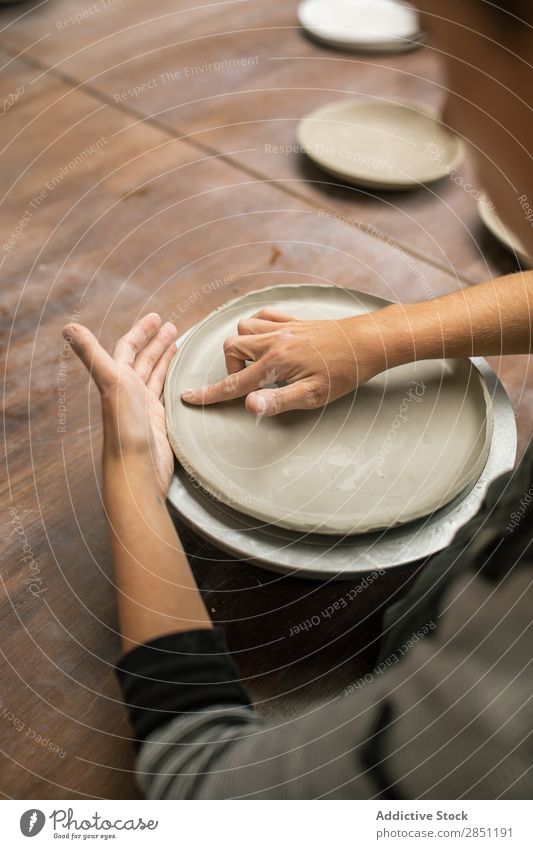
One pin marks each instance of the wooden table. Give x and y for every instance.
(140, 168)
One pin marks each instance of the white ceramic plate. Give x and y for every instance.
(370, 26)
(493, 222)
(401, 446)
(383, 144)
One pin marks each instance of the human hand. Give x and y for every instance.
(131, 383)
(318, 361)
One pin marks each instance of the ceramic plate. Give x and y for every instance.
(380, 144)
(401, 446)
(370, 26)
(493, 222)
(339, 558)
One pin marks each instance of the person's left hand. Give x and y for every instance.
(131, 384)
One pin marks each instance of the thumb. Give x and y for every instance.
(295, 396)
(100, 365)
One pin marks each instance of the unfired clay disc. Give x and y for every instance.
(370, 26)
(382, 144)
(396, 449)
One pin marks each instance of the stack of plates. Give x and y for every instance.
(366, 26)
(381, 477)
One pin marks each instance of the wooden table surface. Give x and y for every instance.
(140, 168)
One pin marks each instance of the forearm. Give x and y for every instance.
(156, 591)
(492, 318)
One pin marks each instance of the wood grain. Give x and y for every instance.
(237, 77)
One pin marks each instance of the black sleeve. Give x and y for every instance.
(177, 674)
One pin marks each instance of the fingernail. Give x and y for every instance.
(260, 404)
(188, 394)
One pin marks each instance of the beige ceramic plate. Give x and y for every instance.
(369, 26)
(493, 222)
(381, 144)
(398, 448)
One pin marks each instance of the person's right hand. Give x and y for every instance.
(314, 361)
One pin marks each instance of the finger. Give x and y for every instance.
(233, 386)
(238, 350)
(249, 326)
(295, 396)
(156, 381)
(153, 350)
(133, 342)
(96, 360)
(268, 314)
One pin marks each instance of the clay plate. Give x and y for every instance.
(379, 143)
(399, 447)
(365, 26)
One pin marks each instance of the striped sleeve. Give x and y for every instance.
(447, 713)
(449, 719)
(175, 675)
(198, 737)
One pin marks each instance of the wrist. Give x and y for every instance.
(385, 337)
(129, 475)
(125, 432)
(397, 334)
